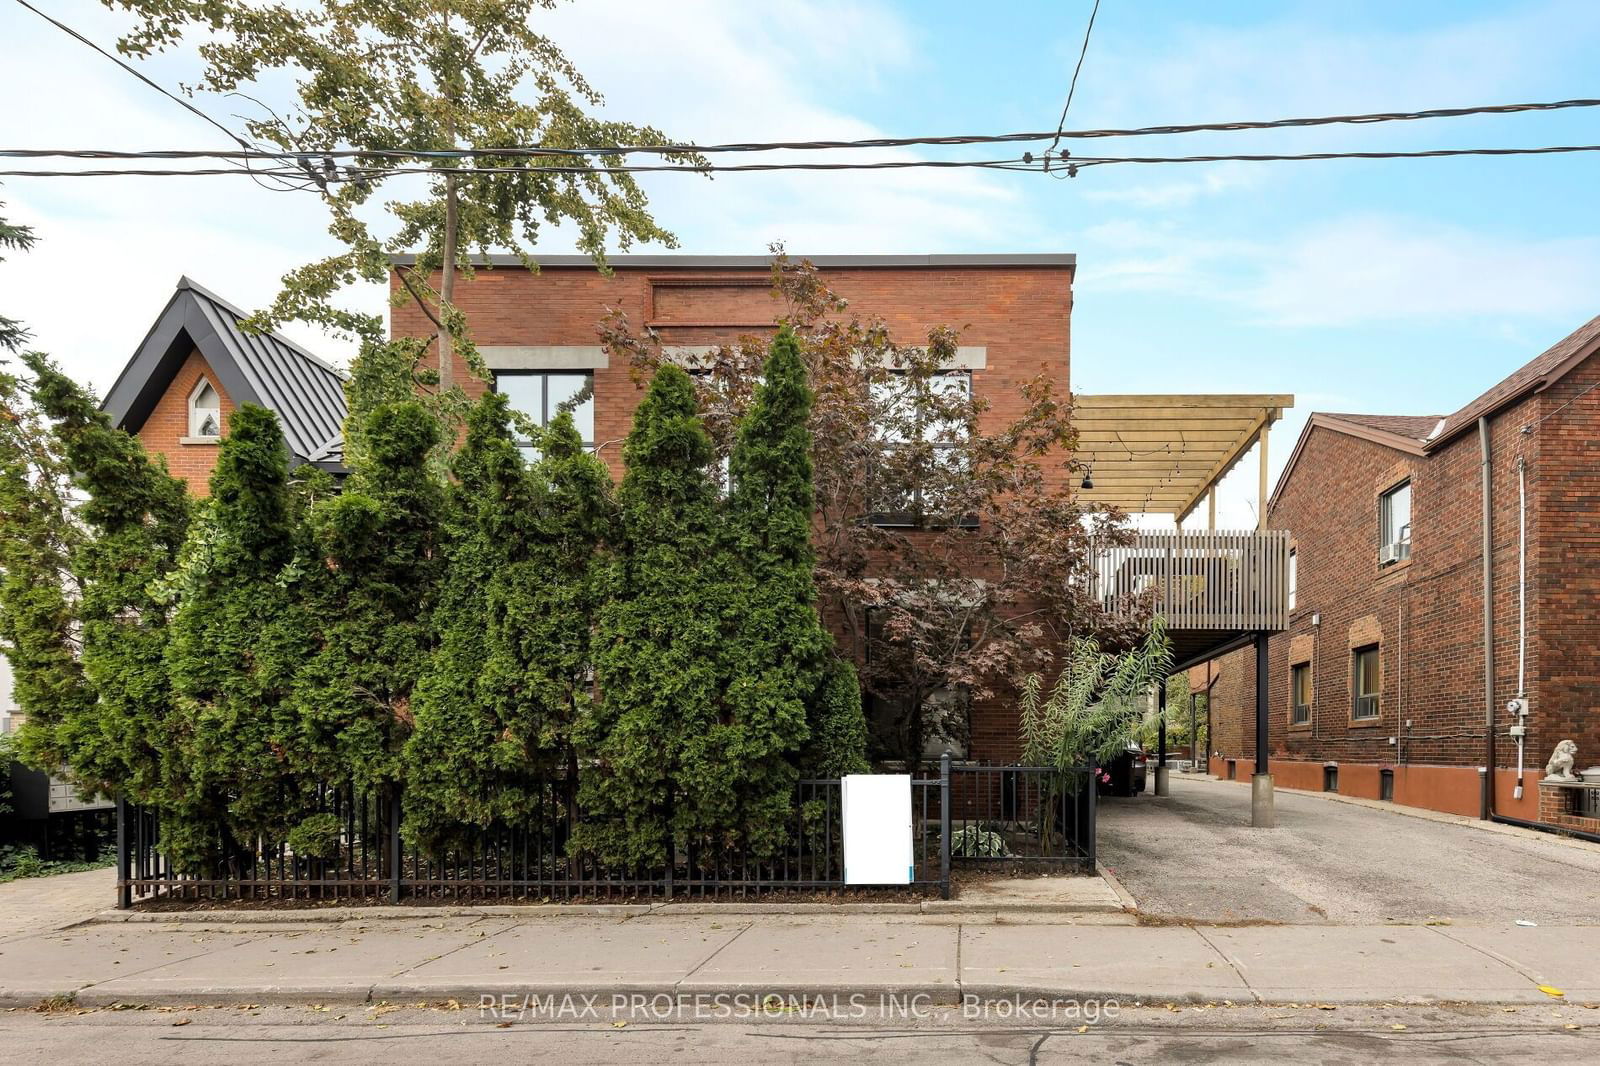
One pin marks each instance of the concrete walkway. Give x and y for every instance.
(1193, 856)
(940, 957)
(30, 905)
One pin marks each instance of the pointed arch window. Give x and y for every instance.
(205, 411)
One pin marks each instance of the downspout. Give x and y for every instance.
(1522, 607)
(1486, 804)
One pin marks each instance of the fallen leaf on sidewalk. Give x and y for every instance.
(1572, 1026)
(1552, 991)
(183, 1021)
(1397, 1027)
(1083, 1028)
(619, 1024)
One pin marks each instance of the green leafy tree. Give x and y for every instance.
(18, 239)
(372, 588)
(396, 80)
(662, 638)
(1101, 702)
(39, 539)
(781, 656)
(135, 517)
(238, 636)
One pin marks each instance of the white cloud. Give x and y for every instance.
(1366, 268)
(1353, 269)
(111, 249)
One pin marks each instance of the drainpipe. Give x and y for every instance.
(1522, 609)
(1486, 805)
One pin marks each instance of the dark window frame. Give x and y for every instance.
(914, 518)
(545, 413)
(1366, 706)
(1300, 713)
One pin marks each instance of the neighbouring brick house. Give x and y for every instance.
(1377, 688)
(196, 365)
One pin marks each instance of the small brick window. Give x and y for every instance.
(205, 411)
(1394, 525)
(1366, 680)
(1386, 785)
(1300, 694)
(1330, 777)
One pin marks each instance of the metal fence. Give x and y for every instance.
(1043, 818)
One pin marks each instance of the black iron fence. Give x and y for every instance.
(960, 813)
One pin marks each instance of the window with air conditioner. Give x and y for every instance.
(1366, 682)
(1300, 694)
(1394, 525)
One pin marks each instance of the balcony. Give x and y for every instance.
(1215, 588)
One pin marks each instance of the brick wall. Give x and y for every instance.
(1021, 315)
(163, 432)
(1426, 613)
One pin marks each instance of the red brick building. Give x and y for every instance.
(538, 332)
(1381, 687)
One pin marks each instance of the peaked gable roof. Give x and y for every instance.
(1424, 434)
(1539, 373)
(267, 369)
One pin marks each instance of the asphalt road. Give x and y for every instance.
(1194, 855)
(280, 1035)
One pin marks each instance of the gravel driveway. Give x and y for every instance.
(1193, 855)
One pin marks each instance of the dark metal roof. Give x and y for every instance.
(267, 369)
(733, 262)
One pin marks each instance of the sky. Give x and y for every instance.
(1388, 287)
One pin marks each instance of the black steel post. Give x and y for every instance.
(1261, 703)
(944, 826)
(124, 858)
(394, 845)
(1161, 723)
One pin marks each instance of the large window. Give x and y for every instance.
(909, 489)
(541, 396)
(1394, 524)
(1300, 694)
(1365, 683)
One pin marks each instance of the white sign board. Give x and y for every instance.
(877, 829)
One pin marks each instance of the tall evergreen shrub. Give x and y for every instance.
(238, 636)
(668, 609)
(372, 590)
(135, 516)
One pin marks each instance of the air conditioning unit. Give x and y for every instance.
(1393, 553)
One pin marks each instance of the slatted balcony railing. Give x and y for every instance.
(1209, 580)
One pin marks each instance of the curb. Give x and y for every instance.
(1129, 904)
(558, 911)
(611, 998)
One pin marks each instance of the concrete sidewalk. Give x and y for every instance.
(943, 957)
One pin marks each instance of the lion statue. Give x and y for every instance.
(1559, 768)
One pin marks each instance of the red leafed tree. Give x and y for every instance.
(952, 557)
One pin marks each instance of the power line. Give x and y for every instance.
(158, 87)
(373, 173)
(949, 140)
(1073, 87)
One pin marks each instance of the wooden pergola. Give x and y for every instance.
(1165, 454)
